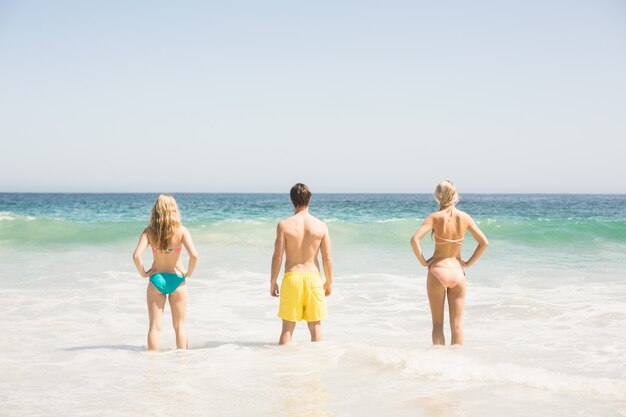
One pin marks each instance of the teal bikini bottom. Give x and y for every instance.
(166, 282)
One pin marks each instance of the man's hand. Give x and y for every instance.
(274, 289)
(327, 289)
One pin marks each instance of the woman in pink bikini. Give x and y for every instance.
(446, 269)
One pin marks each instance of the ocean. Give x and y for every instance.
(544, 322)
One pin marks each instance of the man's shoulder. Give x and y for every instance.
(286, 222)
(315, 218)
(319, 224)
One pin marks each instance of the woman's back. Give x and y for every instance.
(449, 227)
(167, 259)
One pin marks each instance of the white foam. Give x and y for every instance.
(6, 215)
(457, 365)
(255, 222)
(389, 220)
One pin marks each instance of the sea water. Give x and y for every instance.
(545, 314)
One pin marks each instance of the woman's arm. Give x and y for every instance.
(415, 240)
(191, 251)
(483, 243)
(139, 251)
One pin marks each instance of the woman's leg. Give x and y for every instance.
(436, 299)
(178, 305)
(456, 301)
(156, 303)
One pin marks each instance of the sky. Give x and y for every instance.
(346, 96)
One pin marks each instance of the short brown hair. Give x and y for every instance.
(300, 195)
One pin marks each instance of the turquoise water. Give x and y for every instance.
(550, 234)
(370, 231)
(532, 220)
(347, 207)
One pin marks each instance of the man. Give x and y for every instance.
(301, 236)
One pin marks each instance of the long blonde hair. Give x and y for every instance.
(164, 221)
(446, 195)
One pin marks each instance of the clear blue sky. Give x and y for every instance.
(347, 96)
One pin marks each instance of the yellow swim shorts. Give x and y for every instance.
(302, 297)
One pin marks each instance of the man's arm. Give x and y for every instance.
(327, 263)
(277, 259)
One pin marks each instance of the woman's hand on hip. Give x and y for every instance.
(430, 261)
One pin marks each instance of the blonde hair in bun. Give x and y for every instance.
(446, 195)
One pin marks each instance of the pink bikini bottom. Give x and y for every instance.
(448, 276)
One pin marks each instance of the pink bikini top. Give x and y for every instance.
(442, 240)
(170, 250)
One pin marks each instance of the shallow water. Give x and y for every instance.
(545, 324)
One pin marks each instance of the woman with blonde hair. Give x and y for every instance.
(446, 269)
(167, 236)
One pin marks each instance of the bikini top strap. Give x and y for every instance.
(443, 240)
(170, 250)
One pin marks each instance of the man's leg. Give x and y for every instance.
(315, 327)
(287, 332)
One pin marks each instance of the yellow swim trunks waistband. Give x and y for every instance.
(302, 274)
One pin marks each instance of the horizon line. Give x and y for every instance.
(321, 192)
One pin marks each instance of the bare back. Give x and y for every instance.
(449, 227)
(303, 235)
(168, 261)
